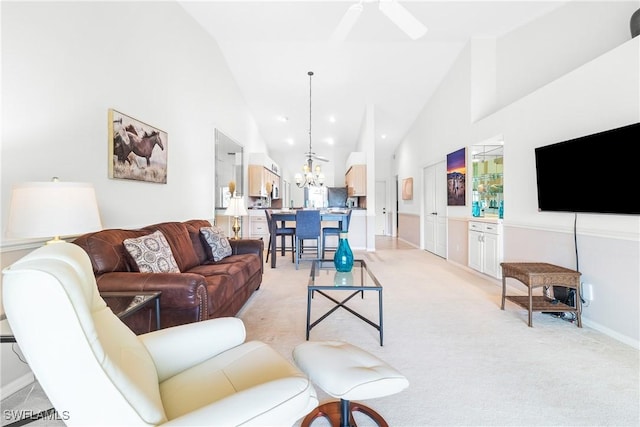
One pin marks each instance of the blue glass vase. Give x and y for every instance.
(475, 209)
(501, 210)
(343, 258)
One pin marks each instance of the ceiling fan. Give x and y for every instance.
(392, 9)
(310, 154)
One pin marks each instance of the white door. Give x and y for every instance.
(435, 209)
(382, 222)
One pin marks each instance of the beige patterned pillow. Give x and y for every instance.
(220, 247)
(152, 253)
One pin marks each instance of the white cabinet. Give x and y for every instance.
(485, 247)
(258, 226)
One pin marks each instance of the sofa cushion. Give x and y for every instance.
(178, 237)
(220, 247)
(106, 250)
(200, 246)
(152, 253)
(240, 268)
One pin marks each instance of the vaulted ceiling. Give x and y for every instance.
(271, 45)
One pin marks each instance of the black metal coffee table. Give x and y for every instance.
(324, 278)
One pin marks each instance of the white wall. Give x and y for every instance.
(64, 64)
(549, 87)
(548, 48)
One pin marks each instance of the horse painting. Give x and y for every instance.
(131, 143)
(143, 145)
(122, 146)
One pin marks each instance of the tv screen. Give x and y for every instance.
(596, 173)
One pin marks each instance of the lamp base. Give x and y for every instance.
(235, 228)
(56, 239)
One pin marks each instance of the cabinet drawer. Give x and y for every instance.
(492, 228)
(476, 226)
(259, 228)
(485, 227)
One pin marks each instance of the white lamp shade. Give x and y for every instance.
(236, 207)
(51, 209)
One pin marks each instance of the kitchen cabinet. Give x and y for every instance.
(356, 180)
(259, 176)
(263, 170)
(486, 247)
(258, 226)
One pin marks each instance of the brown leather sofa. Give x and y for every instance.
(203, 289)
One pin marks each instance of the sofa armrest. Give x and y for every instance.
(248, 246)
(179, 290)
(177, 348)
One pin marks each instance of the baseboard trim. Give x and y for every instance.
(17, 384)
(611, 333)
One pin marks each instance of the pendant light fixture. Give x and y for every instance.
(310, 177)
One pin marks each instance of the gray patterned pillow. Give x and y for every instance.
(152, 253)
(220, 247)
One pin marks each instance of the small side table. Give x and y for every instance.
(125, 303)
(535, 275)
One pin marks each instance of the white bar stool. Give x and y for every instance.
(348, 373)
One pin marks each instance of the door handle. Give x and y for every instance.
(384, 211)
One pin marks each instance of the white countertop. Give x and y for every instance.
(487, 219)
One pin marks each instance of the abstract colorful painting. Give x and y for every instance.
(456, 177)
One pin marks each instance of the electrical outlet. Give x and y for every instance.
(587, 291)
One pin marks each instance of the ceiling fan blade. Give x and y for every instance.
(402, 18)
(321, 158)
(347, 22)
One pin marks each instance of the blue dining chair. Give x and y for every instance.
(333, 231)
(307, 228)
(276, 231)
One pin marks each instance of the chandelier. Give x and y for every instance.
(310, 177)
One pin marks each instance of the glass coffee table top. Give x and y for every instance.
(325, 280)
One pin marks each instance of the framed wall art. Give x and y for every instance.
(456, 177)
(137, 151)
(407, 189)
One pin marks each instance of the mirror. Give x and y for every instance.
(229, 169)
(487, 182)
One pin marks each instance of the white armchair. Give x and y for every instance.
(97, 372)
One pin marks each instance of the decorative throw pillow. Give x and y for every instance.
(220, 247)
(152, 253)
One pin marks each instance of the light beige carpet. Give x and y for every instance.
(468, 362)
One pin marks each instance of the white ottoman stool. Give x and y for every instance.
(349, 373)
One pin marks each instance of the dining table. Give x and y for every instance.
(284, 215)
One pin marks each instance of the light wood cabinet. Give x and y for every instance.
(356, 180)
(256, 181)
(258, 178)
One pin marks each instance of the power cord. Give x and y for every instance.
(13, 348)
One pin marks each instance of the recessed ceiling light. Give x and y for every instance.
(283, 119)
(290, 141)
(332, 119)
(329, 141)
(383, 136)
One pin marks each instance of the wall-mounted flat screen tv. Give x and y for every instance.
(596, 173)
